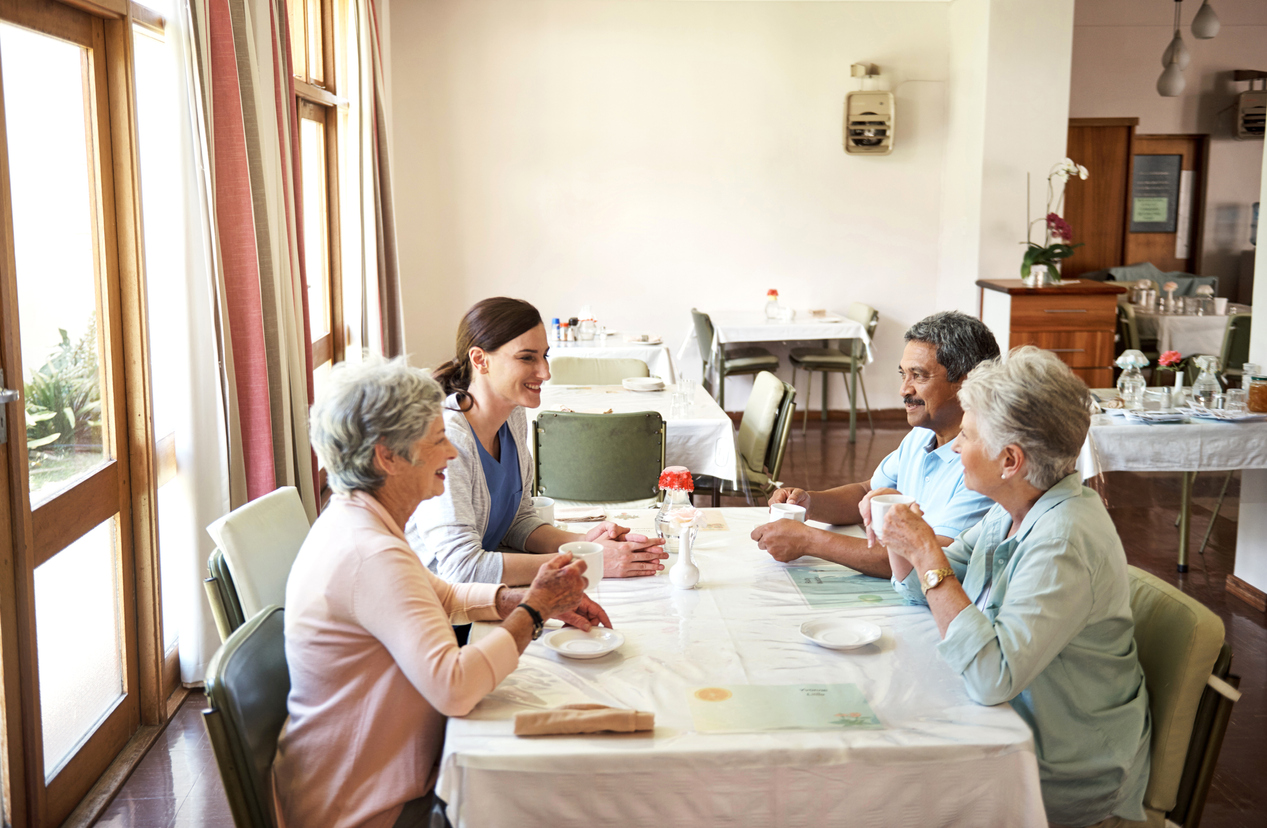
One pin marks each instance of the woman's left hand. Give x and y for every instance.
(908, 534)
(607, 530)
(587, 614)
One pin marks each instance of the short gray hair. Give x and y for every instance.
(962, 341)
(365, 404)
(1031, 400)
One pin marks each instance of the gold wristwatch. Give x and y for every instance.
(933, 577)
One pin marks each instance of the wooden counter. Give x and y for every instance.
(1077, 322)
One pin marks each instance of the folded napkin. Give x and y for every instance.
(582, 718)
(583, 514)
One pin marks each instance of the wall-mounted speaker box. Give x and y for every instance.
(869, 120)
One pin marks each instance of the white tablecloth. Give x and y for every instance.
(658, 357)
(730, 327)
(703, 440)
(1179, 332)
(942, 760)
(1116, 444)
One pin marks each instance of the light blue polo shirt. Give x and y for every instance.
(934, 477)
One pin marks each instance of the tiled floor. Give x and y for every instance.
(177, 783)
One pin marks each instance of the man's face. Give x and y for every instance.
(931, 402)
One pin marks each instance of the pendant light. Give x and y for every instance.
(1206, 24)
(1171, 82)
(1177, 47)
(1175, 59)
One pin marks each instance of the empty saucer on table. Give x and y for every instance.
(840, 633)
(643, 383)
(574, 643)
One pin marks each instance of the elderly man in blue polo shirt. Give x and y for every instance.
(940, 351)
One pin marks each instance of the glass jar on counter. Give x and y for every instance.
(1256, 385)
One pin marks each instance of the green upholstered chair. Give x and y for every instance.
(1190, 695)
(840, 361)
(761, 441)
(222, 595)
(260, 541)
(728, 361)
(247, 684)
(1235, 350)
(598, 458)
(569, 370)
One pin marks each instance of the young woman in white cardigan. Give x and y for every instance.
(484, 527)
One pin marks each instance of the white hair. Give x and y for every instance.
(1032, 400)
(365, 404)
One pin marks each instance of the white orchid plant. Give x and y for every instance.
(1055, 227)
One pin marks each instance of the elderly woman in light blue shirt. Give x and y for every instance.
(1033, 603)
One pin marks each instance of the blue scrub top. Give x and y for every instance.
(505, 487)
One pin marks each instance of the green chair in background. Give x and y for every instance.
(598, 458)
(222, 595)
(1235, 351)
(566, 370)
(761, 442)
(836, 360)
(728, 362)
(247, 683)
(1190, 696)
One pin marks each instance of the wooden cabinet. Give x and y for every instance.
(1076, 322)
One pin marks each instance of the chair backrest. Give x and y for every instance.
(570, 370)
(1128, 327)
(1178, 640)
(869, 317)
(758, 421)
(1235, 350)
(260, 541)
(247, 683)
(594, 458)
(704, 335)
(781, 431)
(222, 595)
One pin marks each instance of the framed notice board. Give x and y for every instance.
(1155, 193)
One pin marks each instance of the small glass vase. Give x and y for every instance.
(1040, 275)
(664, 529)
(1130, 387)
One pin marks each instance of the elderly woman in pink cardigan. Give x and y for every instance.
(374, 665)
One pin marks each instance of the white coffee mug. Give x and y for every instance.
(787, 511)
(592, 554)
(880, 506)
(1220, 305)
(545, 508)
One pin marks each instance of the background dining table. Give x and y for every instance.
(936, 757)
(657, 355)
(1188, 334)
(702, 438)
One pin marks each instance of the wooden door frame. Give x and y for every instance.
(124, 319)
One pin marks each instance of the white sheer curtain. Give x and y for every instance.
(185, 376)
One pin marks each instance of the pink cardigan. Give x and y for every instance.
(374, 670)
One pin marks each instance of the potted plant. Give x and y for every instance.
(1039, 264)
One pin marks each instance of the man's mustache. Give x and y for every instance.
(912, 401)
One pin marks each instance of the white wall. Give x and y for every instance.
(644, 157)
(1117, 51)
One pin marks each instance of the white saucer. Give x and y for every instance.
(655, 340)
(643, 384)
(840, 633)
(574, 643)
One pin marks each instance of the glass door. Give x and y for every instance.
(67, 470)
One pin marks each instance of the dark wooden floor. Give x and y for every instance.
(177, 783)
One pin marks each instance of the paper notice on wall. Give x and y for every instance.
(1183, 221)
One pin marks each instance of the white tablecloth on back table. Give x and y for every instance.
(1187, 334)
(1115, 443)
(942, 760)
(703, 440)
(730, 327)
(658, 357)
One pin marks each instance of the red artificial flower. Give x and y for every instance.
(1169, 359)
(772, 292)
(677, 477)
(1059, 227)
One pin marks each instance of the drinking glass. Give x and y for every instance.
(1234, 400)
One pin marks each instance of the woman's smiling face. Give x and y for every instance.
(515, 371)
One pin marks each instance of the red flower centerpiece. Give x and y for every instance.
(676, 477)
(677, 485)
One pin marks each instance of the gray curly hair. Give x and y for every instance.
(364, 404)
(1032, 400)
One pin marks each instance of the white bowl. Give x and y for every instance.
(574, 643)
(643, 384)
(840, 633)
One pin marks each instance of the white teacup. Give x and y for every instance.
(545, 508)
(787, 511)
(592, 554)
(1220, 305)
(880, 506)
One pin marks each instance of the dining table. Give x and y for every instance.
(1117, 442)
(700, 437)
(614, 345)
(754, 724)
(1189, 334)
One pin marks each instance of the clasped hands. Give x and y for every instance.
(627, 554)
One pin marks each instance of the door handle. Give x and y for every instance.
(7, 395)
